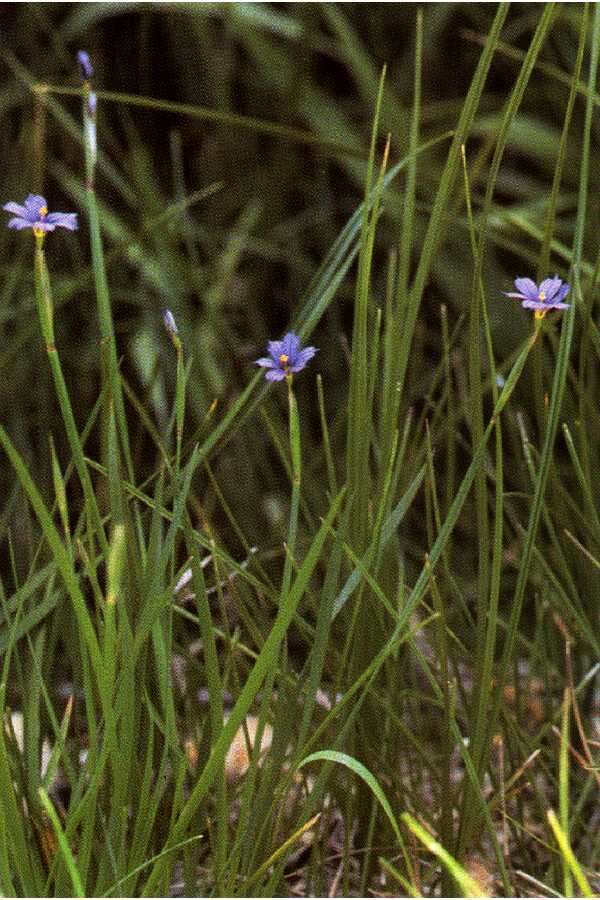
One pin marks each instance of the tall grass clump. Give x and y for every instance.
(328, 625)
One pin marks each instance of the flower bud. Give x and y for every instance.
(169, 321)
(85, 65)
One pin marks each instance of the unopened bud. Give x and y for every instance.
(85, 65)
(169, 321)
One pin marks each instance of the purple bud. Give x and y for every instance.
(85, 65)
(169, 321)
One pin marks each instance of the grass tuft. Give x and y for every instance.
(334, 636)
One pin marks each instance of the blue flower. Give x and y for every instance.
(34, 214)
(549, 295)
(285, 358)
(85, 65)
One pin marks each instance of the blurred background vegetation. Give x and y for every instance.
(272, 163)
(266, 157)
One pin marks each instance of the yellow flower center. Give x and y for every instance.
(43, 211)
(542, 296)
(283, 360)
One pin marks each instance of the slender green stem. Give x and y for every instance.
(107, 331)
(46, 317)
(296, 456)
(179, 408)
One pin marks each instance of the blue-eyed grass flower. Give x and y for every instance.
(285, 357)
(548, 295)
(34, 214)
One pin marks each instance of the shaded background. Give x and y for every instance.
(265, 206)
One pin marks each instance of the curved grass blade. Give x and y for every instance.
(336, 756)
(466, 883)
(62, 843)
(569, 856)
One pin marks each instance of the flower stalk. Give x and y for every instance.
(173, 332)
(103, 301)
(43, 295)
(296, 456)
(45, 307)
